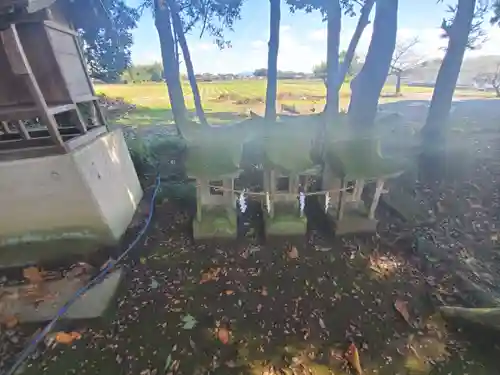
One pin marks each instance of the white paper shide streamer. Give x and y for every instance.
(327, 201)
(302, 202)
(242, 200)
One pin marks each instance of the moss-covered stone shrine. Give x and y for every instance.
(350, 165)
(286, 149)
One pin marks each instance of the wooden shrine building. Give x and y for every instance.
(47, 101)
(66, 175)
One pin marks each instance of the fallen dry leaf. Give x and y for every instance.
(337, 355)
(229, 292)
(10, 321)
(32, 291)
(352, 356)
(67, 338)
(211, 274)
(33, 275)
(293, 253)
(79, 269)
(402, 308)
(322, 323)
(223, 335)
(54, 338)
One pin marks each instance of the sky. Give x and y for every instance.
(302, 38)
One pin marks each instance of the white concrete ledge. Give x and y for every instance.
(90, 193)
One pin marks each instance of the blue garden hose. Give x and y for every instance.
(21, 358)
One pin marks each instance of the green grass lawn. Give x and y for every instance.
(226, 101)
(155, 95)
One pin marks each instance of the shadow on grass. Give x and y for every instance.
(145, 116)
(225, 117)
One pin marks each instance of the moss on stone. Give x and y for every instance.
(216, 222)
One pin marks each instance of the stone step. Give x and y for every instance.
(16, 300)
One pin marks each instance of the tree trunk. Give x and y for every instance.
(433, 133)
(398, 83)
(334, 19)
(179, 32)
(272, 60)
(367, 85)
(170, 66)
(130, 74)
(176, 47)
(351, 49)
(497, 90)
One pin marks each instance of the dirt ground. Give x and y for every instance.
(231, 308)
(244, 308)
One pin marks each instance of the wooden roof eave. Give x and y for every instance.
(30, 6)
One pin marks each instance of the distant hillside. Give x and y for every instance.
(470, 68)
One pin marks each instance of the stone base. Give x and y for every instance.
(285, 224)
(89, 194)
(55, 294)
(216, 223)
(352, 224)
(354, 220)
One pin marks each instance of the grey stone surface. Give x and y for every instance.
(352, 224)
(92, 304)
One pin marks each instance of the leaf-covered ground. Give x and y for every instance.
(228, 308)
(234, 308)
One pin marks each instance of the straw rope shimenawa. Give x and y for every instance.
(253, 193)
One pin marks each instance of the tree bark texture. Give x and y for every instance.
(447, 78)
(398, 83)
(272, 60)
(353, 44)
(170, 67)
(367, 85)
(179, 32)
(334, 21)
(433, 135)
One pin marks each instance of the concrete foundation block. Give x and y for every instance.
(16, 301)
(89, 194)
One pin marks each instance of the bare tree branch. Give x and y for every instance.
(404, 57)
(477, 35)
(205, 18)
(492, 78)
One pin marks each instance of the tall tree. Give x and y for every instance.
(212, 16)
(350, 54)
(105, 29)
(496, 13)
(179, 33)
(367, 85)
(458, 30)
(491, 77)
(404, 60)
(333, 12)
(272, 59)
(170, 66)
